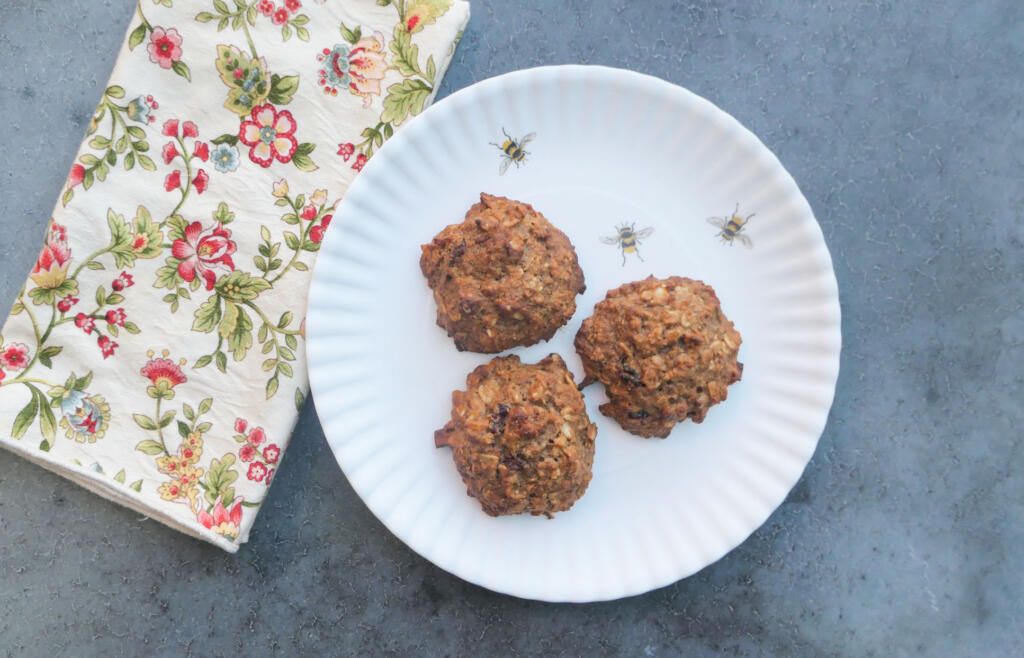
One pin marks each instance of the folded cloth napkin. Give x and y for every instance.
(155, 354)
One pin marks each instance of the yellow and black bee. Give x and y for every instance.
(513, 150)
(732, 227)
(628, 239)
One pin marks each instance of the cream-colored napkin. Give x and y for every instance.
(156, 352)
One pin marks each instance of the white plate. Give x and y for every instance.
(611, 147)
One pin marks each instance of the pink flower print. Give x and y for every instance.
(240, 425)
(14, 356)
(271, 453)
(270, 134)
(123, 280)
(51, 268)
(346, 150)
(202, 151)
(222, 521)
(257, 472)
(201, 180)
(247, 453)
(292, 5)
(360, 162)
(85, 322)
(106, 346)
(270, 474)
(173, 181)
(309, 212)
(164, 47)
(169, 152)
(170, 128)
(257, 436)
(266, 7)
(76, 176)
(280, 17)
(202, 252)
(189, 129)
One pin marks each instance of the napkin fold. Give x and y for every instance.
(156, 352)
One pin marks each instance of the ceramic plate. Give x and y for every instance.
(603, 149)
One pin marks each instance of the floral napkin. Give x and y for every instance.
(155, 354)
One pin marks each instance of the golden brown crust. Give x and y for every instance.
(521, 437)
(503, 277)
(664, 351)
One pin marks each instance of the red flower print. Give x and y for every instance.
(222, 521)
(164, 47)
(202, 151)
(204, 251)
(257, 436)
(173, 181)
(171, 128)
(76, 175)
(169, 152)
(90, 421)
(309, 212)
(316, 234)
(14, 356)
(270, 474)
(84, 322)
(360, 161)
(123, 280)
(257, 472)
(164, 373)
(116, 317)
(51, 268)
(271, 453)
(2, 375)
(280, 17)
(190, 129)
(266, 8)
(106, 346)
(240, 425)
(292, 5)
(247, 453)
(201, 180)
(269, 134)
(346, 150)
(65, 304)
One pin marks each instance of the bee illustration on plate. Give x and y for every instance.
(628, 239)
(513, 150)
(732, 227)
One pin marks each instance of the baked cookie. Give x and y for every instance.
(521, 437)
(503, 277)
(664, 351)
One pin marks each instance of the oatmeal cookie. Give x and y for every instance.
(521, 437)
(664, 351)
(503, 277)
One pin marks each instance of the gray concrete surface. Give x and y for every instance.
(901, 121)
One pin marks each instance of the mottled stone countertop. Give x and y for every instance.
(900, 120)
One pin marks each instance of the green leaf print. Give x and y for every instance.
(404, 98)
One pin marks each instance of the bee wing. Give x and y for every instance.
(720, 222)
(644, 232)
(747, 242)
(610, 240)
(504, 166)
(526, 140)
